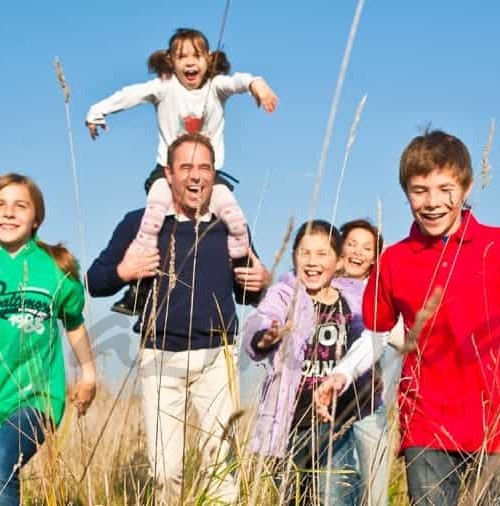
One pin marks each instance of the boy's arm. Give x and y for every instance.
(127, 97)
(379, 313)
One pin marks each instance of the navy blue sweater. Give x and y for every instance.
(213, 307)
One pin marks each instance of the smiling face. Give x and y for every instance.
(315, 262)
(190, 60)
(436, 201)
(358, 253)
(191, 178)
(17, 217)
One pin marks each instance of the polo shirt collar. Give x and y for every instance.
(466, 232)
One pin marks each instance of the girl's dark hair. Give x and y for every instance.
(160, 62)
(378, 240)
(318, 227)
(63, 258)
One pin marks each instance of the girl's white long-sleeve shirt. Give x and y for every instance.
(179, 110)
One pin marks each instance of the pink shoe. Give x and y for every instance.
(238, 242)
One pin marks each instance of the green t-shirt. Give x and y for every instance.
(34, 294)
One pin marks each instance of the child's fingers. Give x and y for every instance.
(93, 129)
(270, 102)
(82, 400)
(322, 400)
(268, 340)
(272, 335)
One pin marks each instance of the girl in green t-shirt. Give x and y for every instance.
(39, 284)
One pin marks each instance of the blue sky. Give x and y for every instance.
(419, 63)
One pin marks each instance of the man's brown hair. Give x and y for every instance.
(435, 150)
(195, 138)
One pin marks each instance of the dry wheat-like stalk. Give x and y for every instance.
(62, 79)
(283, 246)
(66, 94)
(333, 109)
(485, 158)
(350, 142)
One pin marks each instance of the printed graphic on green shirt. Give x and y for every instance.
(25, 309)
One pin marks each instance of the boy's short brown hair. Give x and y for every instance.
(435, 150)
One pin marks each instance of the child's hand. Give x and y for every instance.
(274, 334)
(263, 95)
(84, 393)
(93, 129)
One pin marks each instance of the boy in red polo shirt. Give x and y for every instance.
(449, 393)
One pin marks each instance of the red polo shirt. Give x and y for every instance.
(449, 390)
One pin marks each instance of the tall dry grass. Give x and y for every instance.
(119, 473)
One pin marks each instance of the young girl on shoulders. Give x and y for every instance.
(303, 326)
(189, 96)
(39, 285)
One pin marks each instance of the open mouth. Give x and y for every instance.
(194, 189)
(191, 75)
(356, 261)
(312, 275)
(432, 217)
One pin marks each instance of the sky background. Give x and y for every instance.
(420, 63)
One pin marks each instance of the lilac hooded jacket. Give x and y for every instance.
(286, 301)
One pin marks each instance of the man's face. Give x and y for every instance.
(191, 178)
(436, 202)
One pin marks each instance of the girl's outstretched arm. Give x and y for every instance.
(130, 96)
(271, 313)
(273, 335)
(86, 387)
(263, 94)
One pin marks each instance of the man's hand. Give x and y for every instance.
(138, 263)
(274, 334)
(93, 129)
(263, 94)
(253, 278)
(323, 396)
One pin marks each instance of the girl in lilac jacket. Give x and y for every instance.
(302, 327)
